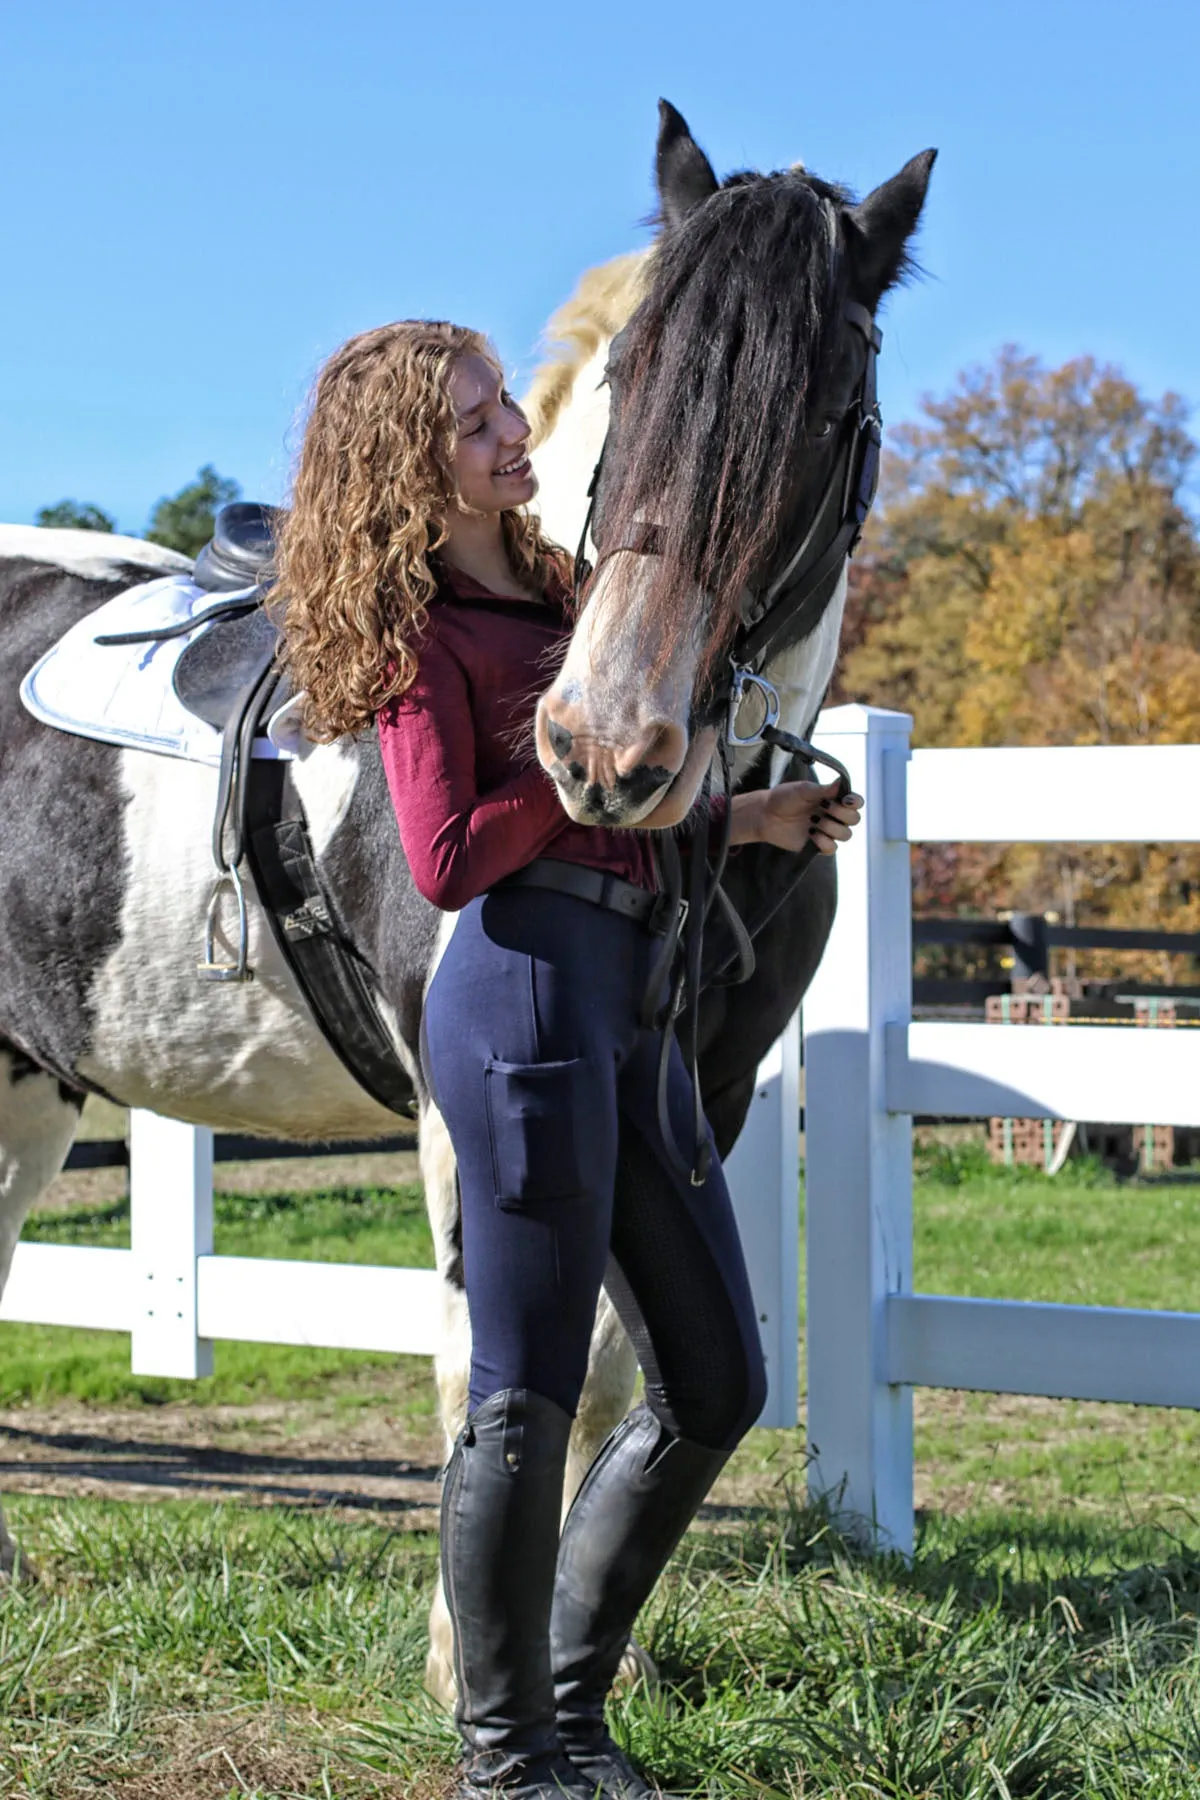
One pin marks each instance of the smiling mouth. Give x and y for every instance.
(522, 466)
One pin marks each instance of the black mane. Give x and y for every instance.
(723, 354)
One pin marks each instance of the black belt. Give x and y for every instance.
(609, 891)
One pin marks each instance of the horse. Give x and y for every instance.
(735, 363)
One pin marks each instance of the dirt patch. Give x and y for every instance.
(371, 1457)
(274, 1453)
(269, 1454)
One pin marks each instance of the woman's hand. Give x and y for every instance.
(794, 814)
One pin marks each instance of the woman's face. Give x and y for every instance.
(491, 461)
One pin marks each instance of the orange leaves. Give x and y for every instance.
(1033, 577)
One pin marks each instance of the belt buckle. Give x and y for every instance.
(661, 920)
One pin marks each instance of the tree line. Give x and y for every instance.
(182, 521)
(1032, 576)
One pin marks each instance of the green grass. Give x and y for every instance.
(1044, 1643)
(1082, 1237)
(208, 1651)
(362, 1225)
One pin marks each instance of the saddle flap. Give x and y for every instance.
(214, 670)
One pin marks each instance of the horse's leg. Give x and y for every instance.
(607, 1392)
(38, 1117)
(453, 1360)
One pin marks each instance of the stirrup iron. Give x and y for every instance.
(210, 969)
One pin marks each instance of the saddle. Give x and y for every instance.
(229, 676)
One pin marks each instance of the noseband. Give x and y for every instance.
(781, 612)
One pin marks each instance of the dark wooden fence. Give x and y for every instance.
(113, 1153)
(1029, 939)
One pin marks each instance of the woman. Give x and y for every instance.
(420, 594)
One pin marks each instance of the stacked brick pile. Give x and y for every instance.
(1032, 1142)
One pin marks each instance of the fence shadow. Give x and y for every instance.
(94, 1460)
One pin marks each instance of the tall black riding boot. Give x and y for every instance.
(500, 1510)
(636, 1502)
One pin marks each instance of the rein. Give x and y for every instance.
(771, 619)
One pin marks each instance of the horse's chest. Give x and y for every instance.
(234, 1055)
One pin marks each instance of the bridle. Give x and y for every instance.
(786, 608)
(789, 608)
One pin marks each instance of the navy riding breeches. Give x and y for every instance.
(547, 1083)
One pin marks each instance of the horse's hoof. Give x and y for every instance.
(636, 1668)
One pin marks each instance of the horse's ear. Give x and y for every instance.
(685, 175)
(881, 225)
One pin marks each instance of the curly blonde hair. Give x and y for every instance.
(369, 504)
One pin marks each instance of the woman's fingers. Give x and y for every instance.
(800, 812)
(827, 834)
(833, 821)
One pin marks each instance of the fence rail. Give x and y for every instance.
(113, 1153)
(175, 1296)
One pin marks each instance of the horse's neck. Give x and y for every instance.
(565, 461)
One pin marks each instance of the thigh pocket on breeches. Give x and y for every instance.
(540, 1123)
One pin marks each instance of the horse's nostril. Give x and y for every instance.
(560, 739)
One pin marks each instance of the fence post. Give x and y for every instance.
(171, 1224)
(858, 1157)
(763, 1171)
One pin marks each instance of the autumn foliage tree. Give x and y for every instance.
(1032, 576)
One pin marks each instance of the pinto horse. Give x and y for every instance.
(731, 369)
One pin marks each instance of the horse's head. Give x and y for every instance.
(737, 393)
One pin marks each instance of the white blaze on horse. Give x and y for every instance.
(738, 384)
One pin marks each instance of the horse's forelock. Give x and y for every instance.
(718, 363)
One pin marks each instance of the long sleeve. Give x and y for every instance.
(458, 841)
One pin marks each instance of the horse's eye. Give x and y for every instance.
(825, 429)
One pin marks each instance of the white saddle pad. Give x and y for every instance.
(122, 693)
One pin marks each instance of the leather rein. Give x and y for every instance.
(772, 618)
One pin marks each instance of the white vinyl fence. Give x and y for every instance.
(869, 1068)
(175, 1296)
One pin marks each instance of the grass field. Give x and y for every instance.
(1045, 1641)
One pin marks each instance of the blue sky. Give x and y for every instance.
(200, 203)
